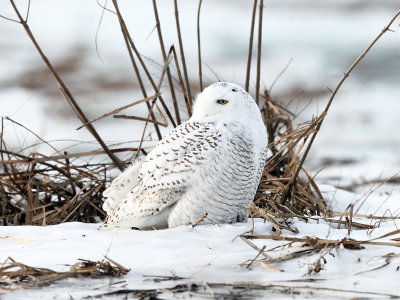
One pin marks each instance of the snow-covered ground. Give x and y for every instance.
(206, 255)
(359, 140)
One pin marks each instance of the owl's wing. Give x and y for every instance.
(169, 169)
(121, 186)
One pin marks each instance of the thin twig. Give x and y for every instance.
(259, 46)
(245, 239)
(250, 51)
(140, 119)
(27, 11)
(104, 7)
(98, 29)
(355, 63)
(280, 74)
(144, 129)
(199, 220)
(255, 258)
(127, 38)
(168, 60)
(67, 93)
(178, 29)
(184, 91)
(314, 242)
(117, 110)
(30, 160)
(169, 77)
(27, 129)
(198, 46)
(43, 163)
(132, 44)
(9, 19)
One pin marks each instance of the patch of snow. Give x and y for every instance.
(206, 253)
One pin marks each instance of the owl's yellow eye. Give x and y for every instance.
(222, 101)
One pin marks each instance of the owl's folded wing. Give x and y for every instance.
(121, 186)
(166, 171)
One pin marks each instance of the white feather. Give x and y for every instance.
(121, 186)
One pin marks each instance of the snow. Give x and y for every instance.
(209, 253)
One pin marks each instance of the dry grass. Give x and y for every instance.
(14, 274)
(49, 192)
(277, 197)
(39, 190)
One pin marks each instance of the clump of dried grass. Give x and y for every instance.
(281, 194)
(45, 191)
(14, 274)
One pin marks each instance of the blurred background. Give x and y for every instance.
(313, 42)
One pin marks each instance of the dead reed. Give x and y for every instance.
(38, 190)
(15, 275)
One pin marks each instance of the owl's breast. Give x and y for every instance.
(225, 186)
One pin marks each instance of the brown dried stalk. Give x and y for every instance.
(307, 199)
(132, 45)
(199, 47)
(71, 100)
(259, 45)
(14, 274)
(169, 77)
(250, 50)
(184, 91)
(185, 74)
(117, 110)
(345, 76)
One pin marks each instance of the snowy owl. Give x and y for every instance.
(209, 166)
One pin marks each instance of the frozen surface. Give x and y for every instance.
(212, 254)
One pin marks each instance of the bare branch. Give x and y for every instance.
(280, 74)
(198, 46)
(178, 29)
(170, 82)
(9, 19)
(29, 160)
(98, 29)
(132, 45)
(139, 119)
(67, 92)
(259, 44)
(250, 51)
(178, 69)
(117, 110)
(27, 12)
(127, 38)
(355, 63)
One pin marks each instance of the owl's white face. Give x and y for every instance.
(225, 101)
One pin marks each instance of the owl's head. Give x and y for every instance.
(225, 101)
